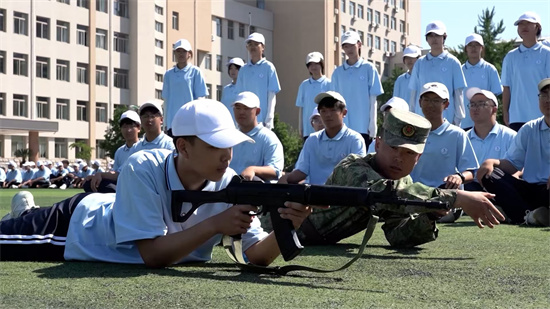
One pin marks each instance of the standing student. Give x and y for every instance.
(478, 73)
(401, 86)
(359, 83)
(183, 82)
(230, 90)
(309, 88)
(260, 77)
(439, 66)
(522, 69)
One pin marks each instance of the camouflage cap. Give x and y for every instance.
(405, 129)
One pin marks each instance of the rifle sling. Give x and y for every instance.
(233, 248)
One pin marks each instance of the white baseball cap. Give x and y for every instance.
(31, 163)
(12, 163)
(543, 83)
(437, 27)
(151, 103)
(75, 164)
(58, 164)
(314, 112)
(210, 121)
(531, 17)
(183, 43)
(247, 98)
(39, 163)
(130, 115)
(315, 57)
(329, 94)
(48, 162)
(82, 164)
(395, 102)
(236, 61)
(350, 37)
(78, 161)
(256, 37)
(437, 88)
(412, 51)
(96, 162)
(474, 37)
(471, 92)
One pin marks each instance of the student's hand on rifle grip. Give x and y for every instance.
(234, 220)
(478, 206)
(295, 212)
(452, 182)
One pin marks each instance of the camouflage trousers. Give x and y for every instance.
(328, 226)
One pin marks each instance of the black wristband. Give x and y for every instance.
(461, 176)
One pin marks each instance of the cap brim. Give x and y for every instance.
(315, 60)
(438, 32)
(396, 141)
(225, 138)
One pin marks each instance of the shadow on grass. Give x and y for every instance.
(214, 271)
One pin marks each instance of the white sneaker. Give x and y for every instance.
(538, 217)
(20, 203)
(63, 187)
(14, 186)
(52, 186)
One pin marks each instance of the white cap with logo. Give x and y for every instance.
(151, 103)
(531, 17)
(437, 88)
(184, 44)
(329, 94)
(395, 102)
(437, 27)
(412, 51)
(236, 61)
(350, 37)
(210, 121)
(247, 98)
(130, 115)
(256, 37)
(315, 57)
(474, 37)
(471, 92)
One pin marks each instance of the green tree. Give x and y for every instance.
(23, 153)
(291, 140)
(113, 137)
(83, 150)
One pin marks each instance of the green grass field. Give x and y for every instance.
(507, 267)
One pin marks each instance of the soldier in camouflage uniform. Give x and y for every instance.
(397, 151)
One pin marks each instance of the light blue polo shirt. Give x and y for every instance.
(58, 173)
(495, 144)
(401, 88)
(448, 150)
(320, 153)
(42, 173)
(229, 95)
(307, 91)
(84, 174)
(122, 154)
(266, 151)
(98, 170)
(27, 175)
(162, 141)
(14, 174)
(180, 87)
(522, 70)
(356, 83)
(445, 69)
(104, 227)
(484, 76)
(530, 151)
(259, 78)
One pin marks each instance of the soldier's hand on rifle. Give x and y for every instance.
(295, 212)
(235, 220)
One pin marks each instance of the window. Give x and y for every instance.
(219, 65)
(3, 20)
(377, 17)
(20, 64)
(99, 152)
(83, 3)
(218, 26)
(393, 47)
(343, 6)
(393, 23)
(401, 26)
(159, 27)
(208, 62)
(20, 23)
(62, 109)
(369, 40)
(101, 6)
(82, 110)
(175, 20)
(43, 67)
(402, 4)
(392, 2)
(386, 45)
(42, 27)
(230, 34)
(20, 105)
(260, 4)
(64, 1)
(377, 42)
(159, 10)
(3, 104)
(82, 35)
(62, 31)
(209, 87)
(158, 94)
(101, 75)
(42, 107)
(120, 8)
(369, 15)
(60, 148)
(120, 42)
(159, 77)
(241, 30)
(82, 73)
(101, 112)
(352, 8)
(252, 29)
(121, 78)
(158, 60)
(219, 90)
(342, 30)
(159, 43)
(101, 38)
(386, 20)
(2, 62)
(378, 67)
(360, 9)
(361, 35)
(62, 70)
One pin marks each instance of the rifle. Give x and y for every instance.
(273, 196)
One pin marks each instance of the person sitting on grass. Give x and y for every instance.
(41, 177)
(13, 176)
(26, 175)
(135, 225)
